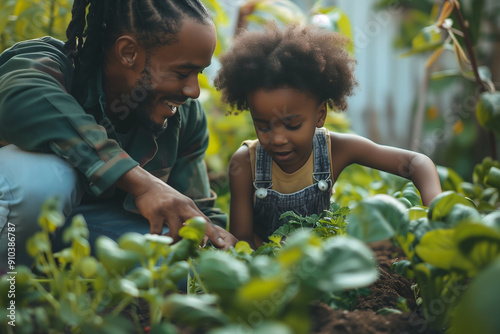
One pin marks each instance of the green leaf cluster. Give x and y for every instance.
(73, 290)
(451, 242)
(328, 224)
(263, 290)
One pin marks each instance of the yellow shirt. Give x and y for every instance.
(286, 183)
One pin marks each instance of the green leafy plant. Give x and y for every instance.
(328, 224)
(457, 28)
(446, 245)
(73, 290)
(261, 290)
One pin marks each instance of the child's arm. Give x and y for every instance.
(348, 149)
(241, 187)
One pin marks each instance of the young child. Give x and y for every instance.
(288, 79)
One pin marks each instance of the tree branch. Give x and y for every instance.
(464, 25)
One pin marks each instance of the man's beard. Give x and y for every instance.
(145, 108)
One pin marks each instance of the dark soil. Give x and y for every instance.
(384, 294)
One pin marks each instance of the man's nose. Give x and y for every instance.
(192, 87)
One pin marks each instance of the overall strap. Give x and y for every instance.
(321, 156)
(263, 166)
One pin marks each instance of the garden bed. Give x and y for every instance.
(384, 294)
(364, 319)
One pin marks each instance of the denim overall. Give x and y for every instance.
(270, 204)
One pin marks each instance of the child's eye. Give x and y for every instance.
(294, 127)
(264, 130)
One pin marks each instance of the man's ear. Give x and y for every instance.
(322, 112)
(127, 51)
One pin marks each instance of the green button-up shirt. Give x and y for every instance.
(38, 113)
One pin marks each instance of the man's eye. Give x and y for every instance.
(182, 75)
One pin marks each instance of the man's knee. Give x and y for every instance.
(27, 180)
(30, 178)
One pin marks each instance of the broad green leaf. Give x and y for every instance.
(128, 287)
(347, 263)
(417, 212)
(261, 289)
(266, 327)
(405, 202)
(411, 193)
(141, 277)
(406, 243)
(221, 272)
(77, 229)
(462, 213)
(482, 169)
(438, 248)
(194, 230)
(163, 240)
(436, 284)
(113, 258)
(470, 190)
(492, 220)
(80, 248)
(479, 244)
(488, 111)
(428, 39)
(377, 218)
(134, 242)
(192, 310)
(401, 267)
(51, 216)
(484, 73)
(493, 177)
(178, 271)
(443, 203)
(243, 247)
(88, 267)
(37, 244)
(449, 179)
(477, 311)
(290, 256)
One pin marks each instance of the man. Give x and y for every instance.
(109, 116)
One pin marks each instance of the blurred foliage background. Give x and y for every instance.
(447, 95)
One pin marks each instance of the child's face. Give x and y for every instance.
(285, 120)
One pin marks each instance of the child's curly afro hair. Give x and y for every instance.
(304, 57)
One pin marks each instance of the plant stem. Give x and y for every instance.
(123, 303)
(52, 301)
(469, 48)
(197, 276)
(472, 57)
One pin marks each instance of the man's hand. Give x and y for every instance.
(162, 205)
(226, 236)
